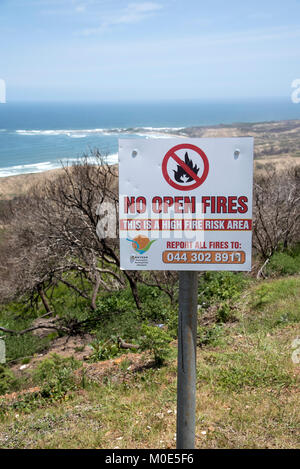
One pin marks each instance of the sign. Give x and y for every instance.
(185, 206)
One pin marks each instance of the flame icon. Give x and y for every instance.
(181, 175)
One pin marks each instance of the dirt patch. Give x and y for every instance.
(118, 369)
(14, 396)
(76, 346)
(67, 346)
(48, 323)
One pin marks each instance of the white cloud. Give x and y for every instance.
(133, 13)
(59, 7)
(136, 12)
(145, 6)
(80, 8)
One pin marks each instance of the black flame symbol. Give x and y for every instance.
(180, 173)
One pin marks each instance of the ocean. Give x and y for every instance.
(35, 137)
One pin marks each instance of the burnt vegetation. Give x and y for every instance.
(276, 212)
(65, 233)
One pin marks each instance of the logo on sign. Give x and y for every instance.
(185, 167)
(141, 244)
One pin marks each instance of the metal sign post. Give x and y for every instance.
(186, 206)
(186, 379)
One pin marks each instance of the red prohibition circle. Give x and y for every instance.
(171, 154)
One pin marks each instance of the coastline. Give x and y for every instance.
(276, 142)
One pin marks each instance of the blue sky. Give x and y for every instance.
(160, 49)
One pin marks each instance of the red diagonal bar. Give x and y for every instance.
(185, 167)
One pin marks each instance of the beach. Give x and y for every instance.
(276, 143)
(37, 137)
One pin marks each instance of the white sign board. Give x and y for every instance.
(186, 204)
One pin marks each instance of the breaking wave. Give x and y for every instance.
(145, 132)
(47, 165)
(26, 168)
(82, 133)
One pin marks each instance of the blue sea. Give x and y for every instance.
(35, 137)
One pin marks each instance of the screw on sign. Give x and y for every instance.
(186, 177)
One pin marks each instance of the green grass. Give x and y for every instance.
(220, 286)
(68, 305)
(117, 314)
(247, 383)
(273, 303)
(285, 262)
(16, 316)
(235, 370)
(246, 398)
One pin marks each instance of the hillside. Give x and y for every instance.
(13, 186)
(272, 139)
(247, 386)
(91, 349)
